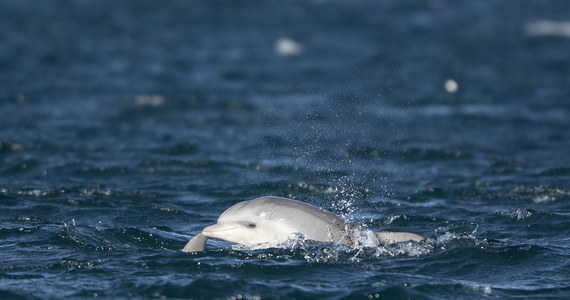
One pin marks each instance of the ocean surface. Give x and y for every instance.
(128, 126)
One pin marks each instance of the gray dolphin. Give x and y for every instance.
(268, 221)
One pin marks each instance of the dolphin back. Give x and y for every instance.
(315, 223)
(317, 212)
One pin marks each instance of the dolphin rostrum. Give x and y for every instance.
(268, 221)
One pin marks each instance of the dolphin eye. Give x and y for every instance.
(251, 225)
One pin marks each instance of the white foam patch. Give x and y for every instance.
(543, 199)
(548, 28)
(517, 214)
(288, 47)
(313, 251)
(451, 86)
(485, 289)
(405, 249)
(149, 100)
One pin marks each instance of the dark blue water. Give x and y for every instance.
(128, 126)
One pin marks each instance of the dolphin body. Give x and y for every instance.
(268, 221)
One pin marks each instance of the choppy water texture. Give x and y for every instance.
(128, 126)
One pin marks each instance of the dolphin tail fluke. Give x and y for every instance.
(196, 244)
(387, 238)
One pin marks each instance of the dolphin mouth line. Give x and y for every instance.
(205, 231)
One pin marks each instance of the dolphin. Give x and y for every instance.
(269, 221)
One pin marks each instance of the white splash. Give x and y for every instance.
(543, 199)
(517, 214)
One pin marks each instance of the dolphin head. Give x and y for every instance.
(246, 232)
(248, 223)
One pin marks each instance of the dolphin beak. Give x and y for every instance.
(216, 229)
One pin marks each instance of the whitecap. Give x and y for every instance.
(517, 214)
(288, 47)
(548, 28)
(149, 100)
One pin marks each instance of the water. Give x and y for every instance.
(126, 127)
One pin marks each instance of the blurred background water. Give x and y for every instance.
(128, 126)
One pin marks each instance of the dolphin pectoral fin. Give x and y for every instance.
(196, 244)
(387, 238)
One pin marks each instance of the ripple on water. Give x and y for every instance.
(541, 194)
